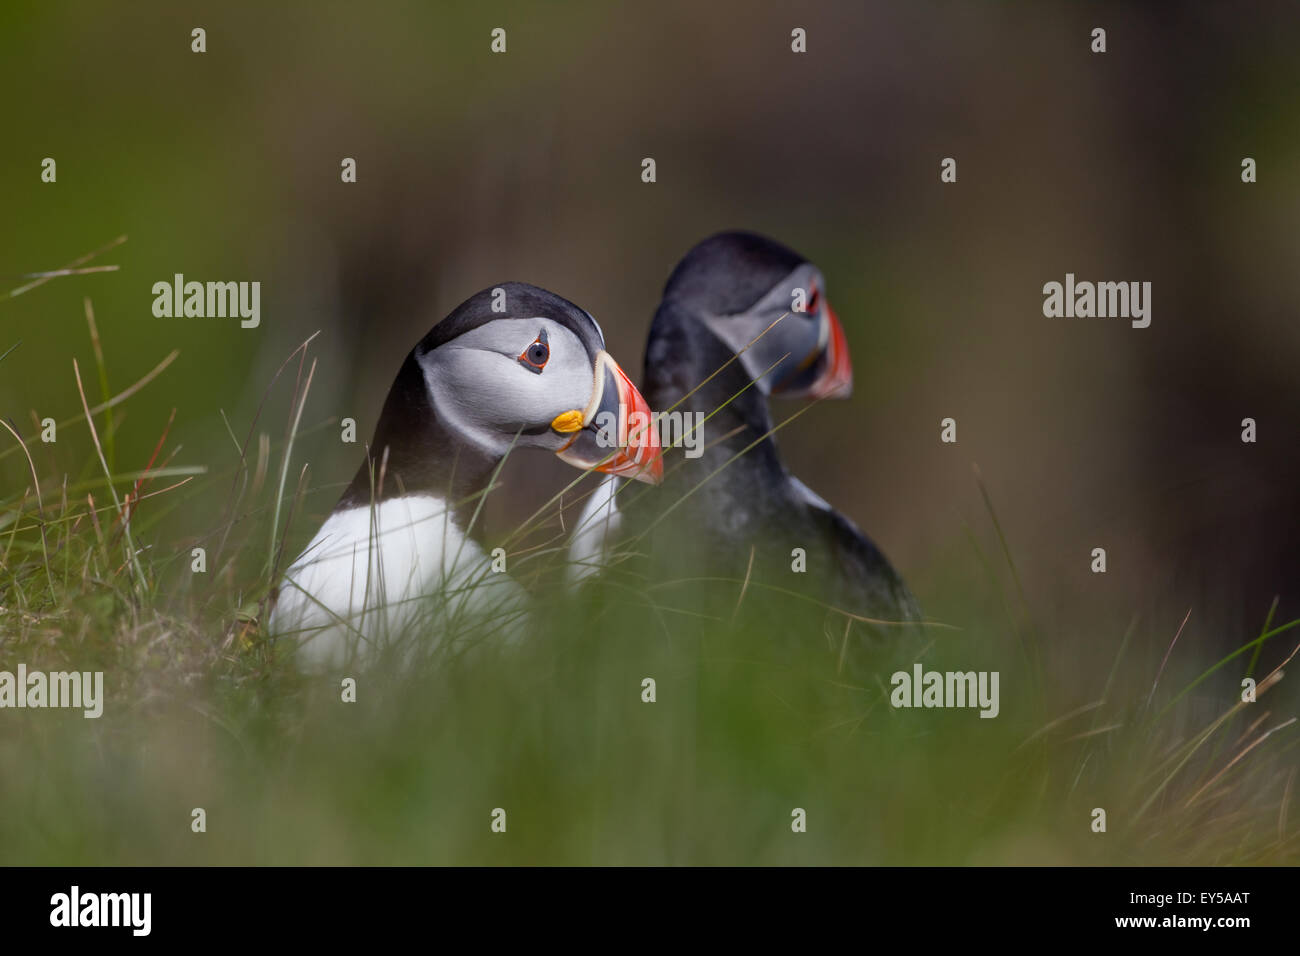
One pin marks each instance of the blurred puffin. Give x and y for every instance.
(743, 317)
(399, 557)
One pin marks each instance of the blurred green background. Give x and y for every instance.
(475, 168)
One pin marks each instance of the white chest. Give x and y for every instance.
(398, 573)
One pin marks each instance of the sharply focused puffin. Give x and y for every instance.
(398, 562)
(742, 318)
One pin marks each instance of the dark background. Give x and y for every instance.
(476, 168)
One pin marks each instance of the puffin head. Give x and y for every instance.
(519, 365)
(768, 304)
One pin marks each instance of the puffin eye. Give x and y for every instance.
(535, 357)
(814, 300)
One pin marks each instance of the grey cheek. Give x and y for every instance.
(460, 386)
(558, 392)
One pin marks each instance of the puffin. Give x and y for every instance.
(744, 318)
(400, 562)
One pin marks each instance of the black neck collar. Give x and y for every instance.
(681, 353)
(424, 455)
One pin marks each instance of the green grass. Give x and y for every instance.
(205, 710)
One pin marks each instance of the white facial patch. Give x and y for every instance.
(759, 342)
(480, 388)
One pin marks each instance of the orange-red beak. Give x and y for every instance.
(617, 433)
(837, 380)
